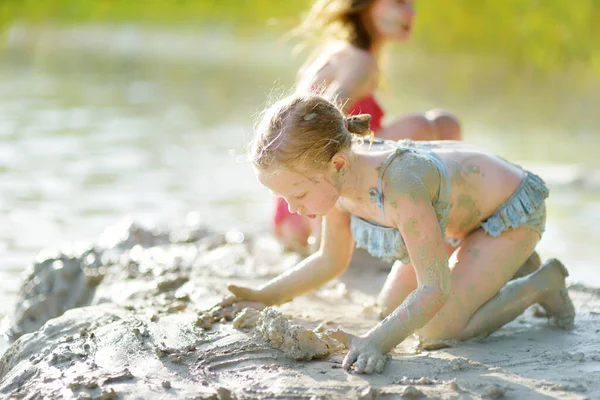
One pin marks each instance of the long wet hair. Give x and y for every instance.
(304, 130)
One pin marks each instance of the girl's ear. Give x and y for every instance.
(339, 161)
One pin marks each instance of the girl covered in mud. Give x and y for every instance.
(407, 201)
(345, 66)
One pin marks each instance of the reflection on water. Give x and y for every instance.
(89, 138)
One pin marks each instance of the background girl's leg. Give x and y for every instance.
(293, 233)
(446, 124)
(482, 299)
(413, 126)
(434, 125)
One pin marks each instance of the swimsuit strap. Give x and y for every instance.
(376, 195)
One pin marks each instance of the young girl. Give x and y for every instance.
(403, 201)
(351, 34)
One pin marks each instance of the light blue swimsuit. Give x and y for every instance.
(525, 207)
(386, 242)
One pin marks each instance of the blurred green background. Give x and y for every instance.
(536, 35)
(143, 108)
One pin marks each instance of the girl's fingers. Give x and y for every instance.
(349, 360)
(371, 364)
(361, 363)
(241, 292)
(227, 301)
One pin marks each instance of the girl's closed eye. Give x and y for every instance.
(299, 197)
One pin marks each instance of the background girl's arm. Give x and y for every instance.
(409, 204)
(328, 263)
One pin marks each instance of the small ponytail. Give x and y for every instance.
(360, 125)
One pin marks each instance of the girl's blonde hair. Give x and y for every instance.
(337, 19)
(303, 128)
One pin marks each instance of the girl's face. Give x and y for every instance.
(393, 19)
(311, 194)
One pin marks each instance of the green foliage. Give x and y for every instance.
(540, 35)
(246, 13)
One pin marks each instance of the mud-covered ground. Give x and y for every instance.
(136, 326)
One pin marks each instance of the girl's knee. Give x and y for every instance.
(387, 301)
(446, 332)
(401, 282)
(424, 128)
(414, 127)
(293, 234)
(386, 308)
(446, 124)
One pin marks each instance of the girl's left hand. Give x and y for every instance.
(364, 353)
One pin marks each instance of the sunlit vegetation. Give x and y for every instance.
(538, 35)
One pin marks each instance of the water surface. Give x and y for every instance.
(130, 125)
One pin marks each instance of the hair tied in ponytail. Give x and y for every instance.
(360, 125)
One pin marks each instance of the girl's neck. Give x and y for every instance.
(376, 46)
(352, 179)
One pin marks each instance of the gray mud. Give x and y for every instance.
(132, 317)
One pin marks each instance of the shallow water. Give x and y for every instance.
(91, 134)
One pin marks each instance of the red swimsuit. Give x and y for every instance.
(368, 105)
(365, 105)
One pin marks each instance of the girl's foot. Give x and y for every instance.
(556, 300)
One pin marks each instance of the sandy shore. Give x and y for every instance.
(139, 335)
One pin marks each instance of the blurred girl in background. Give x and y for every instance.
(345, 67)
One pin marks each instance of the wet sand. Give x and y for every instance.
(143, 332)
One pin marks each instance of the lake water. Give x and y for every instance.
(99, 123)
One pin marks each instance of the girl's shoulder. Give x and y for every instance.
(344, 57)
(340, 62)
(354, 56)
(411, 171)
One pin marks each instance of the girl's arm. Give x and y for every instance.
(408, 203)
(328, 263)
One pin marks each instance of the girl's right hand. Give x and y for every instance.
(245, 293)
(249, 294)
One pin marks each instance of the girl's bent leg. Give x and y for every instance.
(413, 126)
(481, 301)
(433, 125)
(446, 124)
(293, 234)
(546, 286)
(532, 264)
(400, 282)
